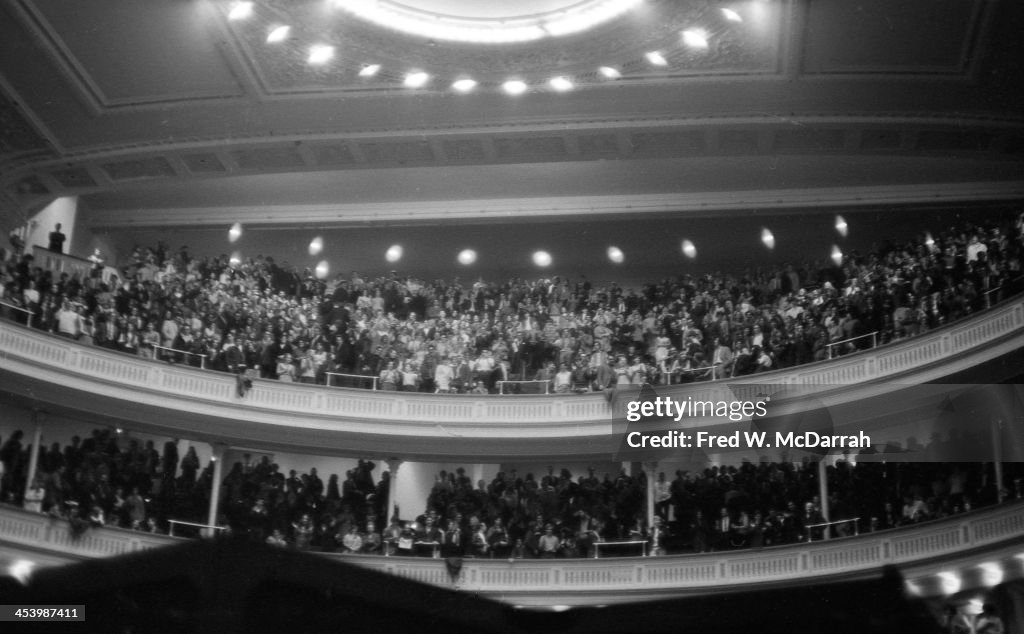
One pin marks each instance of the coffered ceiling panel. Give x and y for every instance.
(131, 52)
(896, 36)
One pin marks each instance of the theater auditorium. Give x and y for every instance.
(554, 315)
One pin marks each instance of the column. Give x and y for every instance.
(651, 471)
(218, 475)
(823, 493)
(33, 458)
(393, 466)
(997, 456)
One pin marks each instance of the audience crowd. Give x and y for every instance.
(260, 319)
(103, 480)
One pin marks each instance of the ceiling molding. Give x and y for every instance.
(797, 201)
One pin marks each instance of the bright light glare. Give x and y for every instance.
(320, 54)
(929, 240)
(767, 238)
(616, 255)
(656, 58)
(991, 574)
(21, 570)
(235, 232)
(322, 269)
(467, 257)
(841, 227)
(731, 15)
(837, 255)
(369, 70)
(278, 34)
(394, 253)
(609, 73)
(695, 38)
(950, 582)
(464, 85)
(240, 10)
(236, 259)
(542, 258)
(561, 84)
(316, 246)
(689, 249)
(417, 79)
(514, 87)
(408, 18)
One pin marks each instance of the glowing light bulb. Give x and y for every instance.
(235, 232)
(689, 249)
(695, 38)
(514, 87)
(316, 246)
(837, 255)
(467, 257)
(278, 34)
(841, 227)
(542, 258)
(394, 253)
(322, 269)
(767, 238)
(616, 255)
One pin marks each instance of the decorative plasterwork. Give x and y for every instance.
(283, 67)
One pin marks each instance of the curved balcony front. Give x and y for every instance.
(974, 551)
(45, 372)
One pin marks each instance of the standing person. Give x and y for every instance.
(57, 240)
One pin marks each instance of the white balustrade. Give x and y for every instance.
(130, 378)
(911, 548)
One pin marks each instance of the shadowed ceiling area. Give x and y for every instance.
(286, 113)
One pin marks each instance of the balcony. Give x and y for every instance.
(42, 371)
(932, 557)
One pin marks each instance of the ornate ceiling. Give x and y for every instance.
(164, 113)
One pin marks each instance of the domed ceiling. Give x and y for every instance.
(290, 112)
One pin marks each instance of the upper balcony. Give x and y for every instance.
(46, 372)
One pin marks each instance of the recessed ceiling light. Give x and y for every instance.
(561, 84)
(278, 34)
(369, 70)
(416, 79)
(695, 38)
(514, 87)
(239, 10)
(464, 85)
(731, 15)
(656, 58)
(609, 73)
(320, 54)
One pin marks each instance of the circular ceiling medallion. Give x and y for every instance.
(488, 22)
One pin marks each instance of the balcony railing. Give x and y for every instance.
(52, 369)
(923, 553)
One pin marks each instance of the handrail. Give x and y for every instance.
(923, 553)
(501, 385)
(206, 528)
(873, 335)
(202, 357)
(810, 527)
(354, 376)
(24, 310)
